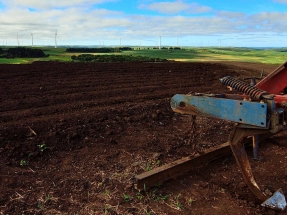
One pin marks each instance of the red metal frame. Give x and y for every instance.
(275, 82)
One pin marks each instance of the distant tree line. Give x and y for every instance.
(114, 58)
(175, 48)
(22, 52)
(98, 50)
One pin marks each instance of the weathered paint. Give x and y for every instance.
(246, 112)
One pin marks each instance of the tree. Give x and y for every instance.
(22, 52)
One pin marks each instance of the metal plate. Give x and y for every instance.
(246, 112)
(277, 201)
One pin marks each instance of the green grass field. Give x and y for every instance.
(267, 56)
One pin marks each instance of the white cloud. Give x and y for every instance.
(75, 24)
(48, 4)
(281, 1)
(272, 22)
(219, 24)
(72, 24)
(176, 7)
(81, 23)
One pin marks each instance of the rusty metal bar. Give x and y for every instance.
(255, 147)
(236, 141)
(179, 167)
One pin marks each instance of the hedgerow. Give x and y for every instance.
(114, 58)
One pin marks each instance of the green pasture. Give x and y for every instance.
(188, 54)
(267, 56)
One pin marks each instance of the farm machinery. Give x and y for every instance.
(259, 109)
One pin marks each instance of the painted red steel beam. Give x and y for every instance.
(280, 99)
(276, 81)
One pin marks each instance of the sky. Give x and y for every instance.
(222, 23)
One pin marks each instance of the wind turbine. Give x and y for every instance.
(56, 39)
(32, 39)
(17, 40)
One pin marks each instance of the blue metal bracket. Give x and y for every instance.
(246, 112)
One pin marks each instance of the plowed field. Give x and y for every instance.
(73, 136)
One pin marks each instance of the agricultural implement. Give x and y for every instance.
(259, 110)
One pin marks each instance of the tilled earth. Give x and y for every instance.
(73, 136)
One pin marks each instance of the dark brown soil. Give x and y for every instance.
(73, 136)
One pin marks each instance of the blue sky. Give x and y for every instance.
(242, 23)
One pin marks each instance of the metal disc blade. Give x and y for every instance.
(277, 201)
